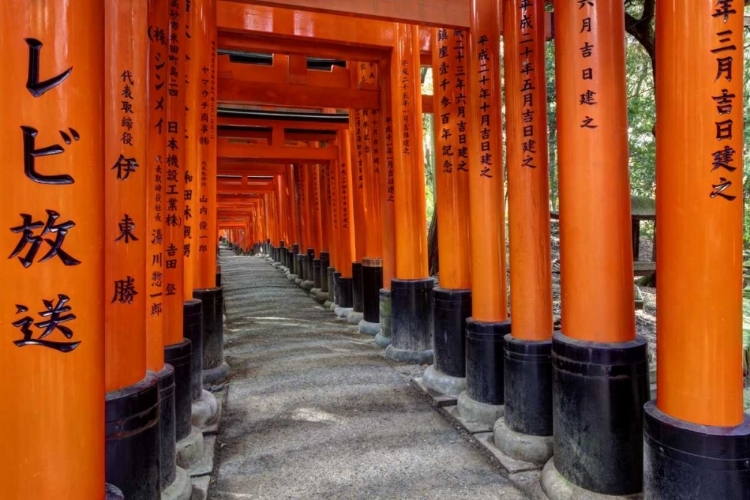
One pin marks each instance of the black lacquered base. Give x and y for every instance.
(485, 376)
(168, 463)
(192, 328)
(325, 263)
(300, 266)
(685, 461)
(357, 287)
(218, 276)
(317, 281)
(451, 308)
(332, 285)
(336, 287)
(528, 386)
(132, 439)
(180, 357)
(309, 258)
(411, 314)
(599, 390)
(213, 327)
(345, 295)
(372, 282)
(293, 257)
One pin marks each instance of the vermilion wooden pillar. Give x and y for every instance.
(597, 426)
(483, 398)
(343, 185)
(372, 262)
(452, 300)
(132, 399)
(387, 200)
(528, 371)
(359, 165)
(52, 347)
(696, 435)
(412, 286)
(177, 348)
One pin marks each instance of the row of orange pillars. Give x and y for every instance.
(575, 401)
(111, 313)
(108, 164)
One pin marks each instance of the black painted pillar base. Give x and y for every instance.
(180, 357)
(192, 328)
(685, 461)
(133, 447)
(168, 462)
(317, 281)
(357, 288)
(218, 276)
(526, 429)
(484, 396)
(372, 282)
(309, 258)
(344, 297)
(598, 393)
(295, 260)
(450, 310)
(325, 263)
(301, 267)
(411, 321)
(213, 335)
(383, 338)
(336, 287)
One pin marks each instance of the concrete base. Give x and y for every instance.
(298, 281)
(468, 426)
(441, 383)
(437, 399)
(180, 489)
(482, 413)
(367, 328)
(307, 285)
(205, 463)
(321, 296)
(190, 450)
(205, 411)
(328, 305)
(277, 265)
(382, 340)
(511, 465)
(407, 356)
(558, 488)
(216, 376)
(353, 318)
(314, 293)
(200, 488)
(342, 312)
(535, 449)
(291, 277)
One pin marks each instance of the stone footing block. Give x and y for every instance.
(558, 488)
(468, 425)
(190, 450)
(510, 464)
(353, 318)
(442, 383)
(180, 489)
(205, 411)
(216, 376)
(407, 356)
(382, 340)
(437, 399)
(523, 447)
(342, 312)
(367, 328)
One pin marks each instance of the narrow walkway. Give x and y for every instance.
(314, 411)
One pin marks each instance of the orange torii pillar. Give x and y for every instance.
(326, 222)
(452, 300)
(334, 209)
(300, 176)
(483, 399)
(154, 168)
(600, 367)
(387, 201)
(343, 276)
(308, 254)
(358, 197)
(528, 371)
(412, 286)
(132, 399)
(205, 289)
(696, 436)
(372, 262)
(316, 213)
(53, 306)
(178, 349)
